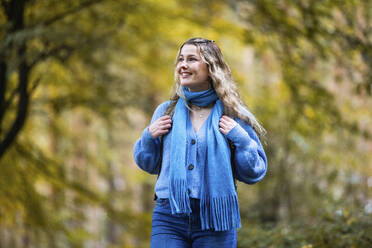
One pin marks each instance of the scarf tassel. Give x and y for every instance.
(220, 213)
(178, 197)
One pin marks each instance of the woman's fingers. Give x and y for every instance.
(160, 126)
(226, 124)
(165, 122)
(165, 118)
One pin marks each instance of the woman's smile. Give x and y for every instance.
(185, 74)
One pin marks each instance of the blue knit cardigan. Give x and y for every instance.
(250, 159)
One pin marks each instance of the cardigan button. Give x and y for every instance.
(191, 166)
(193, 142)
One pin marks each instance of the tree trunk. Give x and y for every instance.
(15, 12)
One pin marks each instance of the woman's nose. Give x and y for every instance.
(183, 64)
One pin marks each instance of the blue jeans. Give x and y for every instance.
(182, 231)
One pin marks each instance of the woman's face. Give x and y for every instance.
(192, 70)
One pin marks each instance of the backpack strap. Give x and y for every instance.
(160, 162)
(232, 151)
(232, 157)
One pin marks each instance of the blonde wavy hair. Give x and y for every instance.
(221, 80)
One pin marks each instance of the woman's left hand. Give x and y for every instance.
(226, 124)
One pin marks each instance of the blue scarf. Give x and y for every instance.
(219, 209)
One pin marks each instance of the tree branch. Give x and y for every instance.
(34, 86)
(10, 99)
(23, 74)
(15, 14)
(71, 11)
(3, 85)
(51, 53)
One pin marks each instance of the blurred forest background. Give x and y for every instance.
(79, 80)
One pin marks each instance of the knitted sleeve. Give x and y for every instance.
(147, 148)
(250, 158)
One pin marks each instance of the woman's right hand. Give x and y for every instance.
(161, 126)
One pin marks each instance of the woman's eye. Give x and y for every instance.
(188, 59)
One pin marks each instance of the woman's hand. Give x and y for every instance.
(226, 124)
(160, 126)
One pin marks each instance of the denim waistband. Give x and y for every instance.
(194, 203)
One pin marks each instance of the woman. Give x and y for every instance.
(200, 140)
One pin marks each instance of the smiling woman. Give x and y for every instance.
(199, 142)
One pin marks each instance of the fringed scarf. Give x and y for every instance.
(219, 209)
